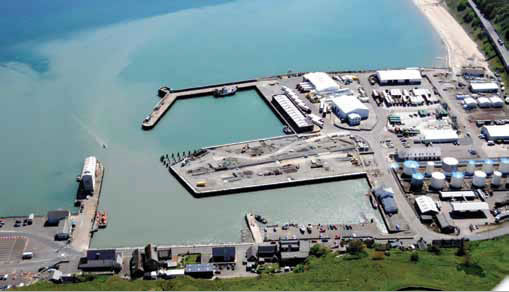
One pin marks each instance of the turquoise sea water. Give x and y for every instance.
(75, 76)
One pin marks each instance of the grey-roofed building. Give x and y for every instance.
(64, 229)
(200, 270)
(136, 264)
(389, 205)
(267, 251)
(224, 254)
(293, 252)
(443, 224)
(105, 260)
(420, 153)
(55, 216)
(164, 254)
(151, 262)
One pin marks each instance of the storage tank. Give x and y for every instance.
(479, 179)
(457, 179)
(504, 166)
(496, 179)
(417, 181)
(470, 167)
(437, 180)
(430, 167)
(488, 166)
(449, 164)
(410, 167)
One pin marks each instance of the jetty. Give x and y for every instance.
(255, 229)
(85, 220)
(170, 96)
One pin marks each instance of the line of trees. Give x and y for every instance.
(497, 11)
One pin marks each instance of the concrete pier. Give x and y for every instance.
(85, 219)
(255, 229)
(169, 99)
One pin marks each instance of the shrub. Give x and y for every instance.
(461, 6)
(355, 246)
(378, 256)
(414, 257)
(318, 250)
(468, 17)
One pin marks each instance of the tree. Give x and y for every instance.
(461, 6)
(355, 246)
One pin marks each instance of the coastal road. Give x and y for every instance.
(501, 50)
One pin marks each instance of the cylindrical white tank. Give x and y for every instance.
(449, 164)
(417, 180)
(470, 167)
(488, 166)
(430, 167)
(457, 179)
(496, 179)
(479, 179)
(437, 180)
(504, 166)
(410, 167)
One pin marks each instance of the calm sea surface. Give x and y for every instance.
(76, 75)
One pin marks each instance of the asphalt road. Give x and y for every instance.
(501, 50)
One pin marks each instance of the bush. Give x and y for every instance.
(370, 243)
(461, 6)
(434, 249)
(414, 257)
(378, 256)
(318, 250)
(355, 246)
(468, 17)
(299, 268)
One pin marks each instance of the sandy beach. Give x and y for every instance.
(461, 49)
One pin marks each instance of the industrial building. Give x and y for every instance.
(349, 108)
(473, 71)
(322, 82)
(438, 136)
(462, 207)
(225, 254)
(107, 260)
(399, 77)
(87, 178)
(493, 133)
(460, 195)
(420, 153)
(426, 205)
(386, 197)
(484, 87)
(294, 116)
(444, 224)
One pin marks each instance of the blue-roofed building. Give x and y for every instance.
(200, 270)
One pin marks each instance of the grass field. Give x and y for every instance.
(485, 265)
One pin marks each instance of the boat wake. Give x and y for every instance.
(89, 131)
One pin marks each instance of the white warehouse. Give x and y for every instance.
(483, 87)
(395, 77)
(345, 106)
(494, 133)
(322, 82)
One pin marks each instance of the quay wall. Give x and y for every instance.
(253, 188)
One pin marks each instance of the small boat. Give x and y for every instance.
(287, 130)
(259, 218)
(225, 91)
(102, 219)
(373, 201)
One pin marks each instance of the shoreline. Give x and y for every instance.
(461, 49)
